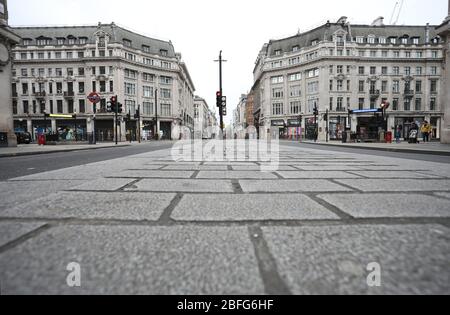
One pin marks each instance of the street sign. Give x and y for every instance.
(94, 98)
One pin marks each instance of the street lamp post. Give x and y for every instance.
(156, 115)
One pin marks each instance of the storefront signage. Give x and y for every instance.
(278, 123)
(363, 111)
(293, 123)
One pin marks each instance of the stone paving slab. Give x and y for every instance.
(280, 185)
(134, 260)
(153, 174)
(94, 205)
(236, 175)
(392, 174)
(389, 205)
(12, 231)
(249, 208)
(183, 185)
(329, 167)
(197, 167)
(317, 174)
(104, 184)
(258, 168)
(13, 193)
(397, 185)
(333, 259)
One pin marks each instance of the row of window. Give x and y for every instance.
(371, 39)
(148, 91)
(361, 53)
(384, 70)
(295, 107)
(63, 107)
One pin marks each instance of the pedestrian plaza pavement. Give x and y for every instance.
(149, 224)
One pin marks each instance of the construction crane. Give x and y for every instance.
(399, 5)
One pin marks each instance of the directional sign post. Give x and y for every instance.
(94, 98)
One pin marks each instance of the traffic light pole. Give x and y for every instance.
(139, 124)
(117, 120)
(156, 115)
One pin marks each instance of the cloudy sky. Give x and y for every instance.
(199, 29)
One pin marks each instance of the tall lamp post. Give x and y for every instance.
(156, 115)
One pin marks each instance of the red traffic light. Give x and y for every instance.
(219, 94)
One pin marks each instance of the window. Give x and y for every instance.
(70, 72)
(313, 87)
(164, 52)
(396, 86)
(81, 87)
(340, 69)
(166, 93)
(382, 40)
(41, 55)
(102, 86)
(24, 88)
(396, 54)
(81, 106)
(340, 105)
(295, 91)
(361, 103)
(130, 57)
(58, 72)
(360, 40)
(295, 76)
(371, 40)
(434, 54)
(395, 104)
(396, 70)
(331, 85)
(41, 72)
(348, 69)
(59, 106)
(373, 53)
(372, 103)
(407, 104)
(81, 71)
(24, 72)
(69, 55)
(111, 86)
(80, 54)
(419, 71)
(418, 86)
(165, 80)
(166, 65)
(148, 91)
(418, 105)
(130, 88)
(362, 53)
(295, 48)
(433, 70)
(130, 74)
(373, 70)
(166, 110)
(419, 54)
(127, 42)
(277, 93)
(331, 103)
(361, 86)
(26, 109)
(408, 54)
(148, 77)
(145, 49)
(433, 87)
(384, 54)
(130, 106)
(407, 70)
(384, 86)
(361, 70)
(295, 107)
(277, 52)
(278, 79)
(82, 41)
(404, 41)
(348, 85)
(277, 109)
(147, 108)
(340, 85)
(384, 70)
(415, 41)
(433, 103)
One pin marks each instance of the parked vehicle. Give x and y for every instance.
(23, 137)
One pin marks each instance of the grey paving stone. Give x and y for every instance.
(153, 174)
(258, 168)
(249, 207)
(333, 259)
(230, 163)
(13, 193)
(11, 231)
(197, 167)
(94, 205)
(134, 260)
(391, 185)
(392, 174)
(329, 167)
(104, 184)
(389, 205)
(317, 174)
(236, 175)
(183, 185)
(445, 195)
(304, 185)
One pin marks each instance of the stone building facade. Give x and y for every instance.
(7, 40)
(56, 68)
(339, 67)
(444, 32)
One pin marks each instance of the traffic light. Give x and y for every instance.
(316, 111)
(120, 108)
(137, 115)
(113, 102)
(325, 117)
(128, 117)
(218, 98)
(223, 101)
(224, 111)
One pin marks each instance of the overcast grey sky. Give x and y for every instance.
(200, 28)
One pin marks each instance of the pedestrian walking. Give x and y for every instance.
(398, 134)
(426, 130)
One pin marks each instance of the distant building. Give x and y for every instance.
(339, 67)
(239, 122)
(205, 119)
(444, 32)
(55, 68)
(7, 41)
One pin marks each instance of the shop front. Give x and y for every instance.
(336, 127)
(369, 128)
(104, 129)
(311, 129)
(132, 133)
(148, 130)
(294, 129)
(165, 130)
(404, 124)
(71, 129)
(278, 129)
